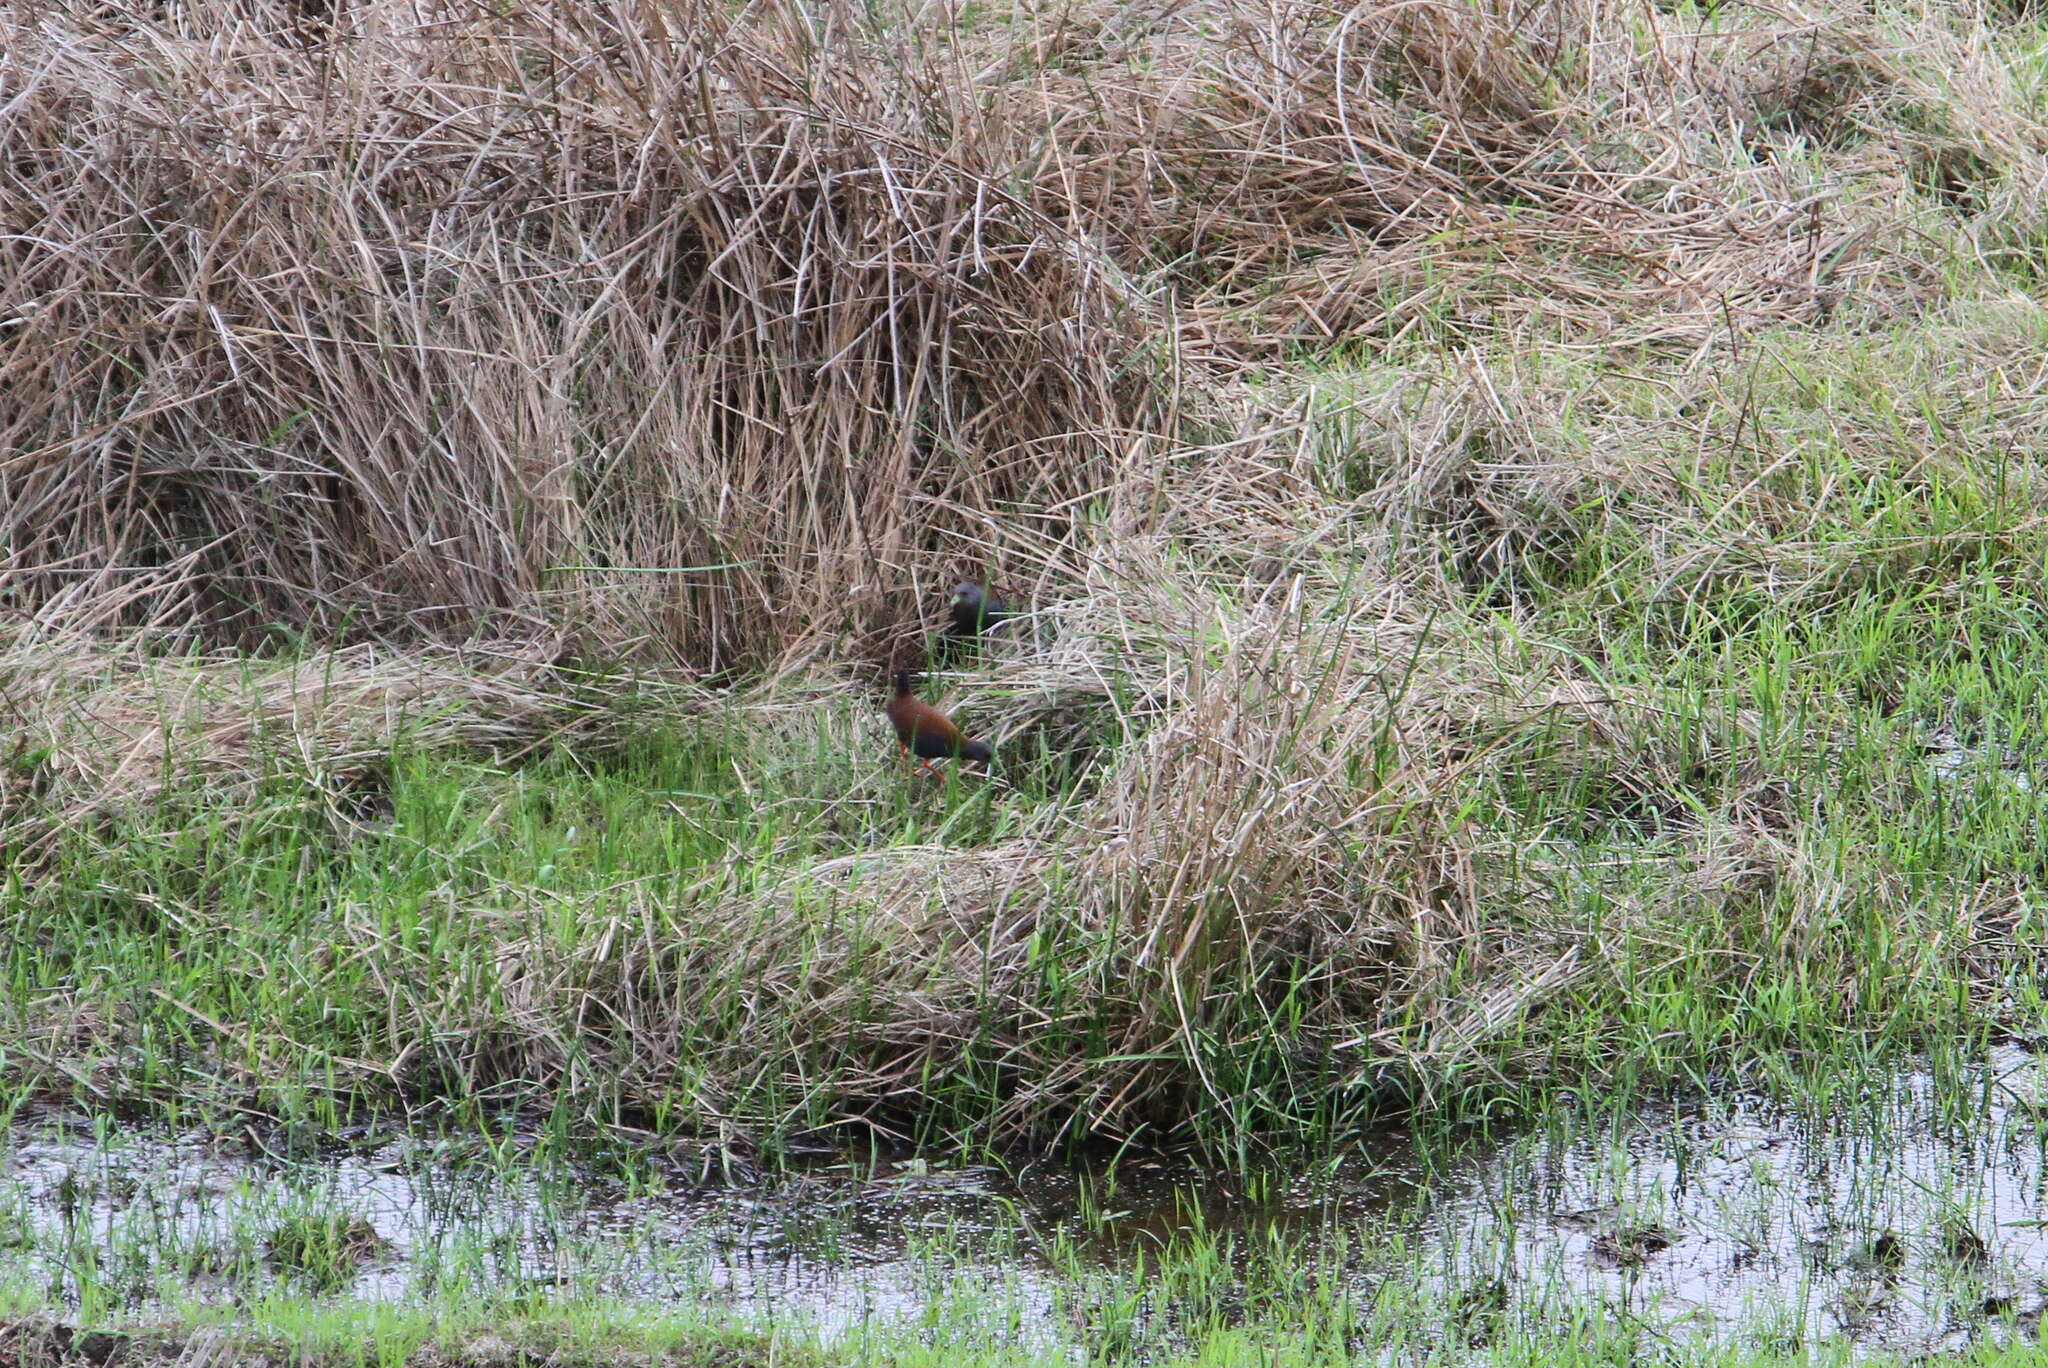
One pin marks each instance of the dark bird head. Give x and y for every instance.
(975, 612)
(977, 750)
(902, 683)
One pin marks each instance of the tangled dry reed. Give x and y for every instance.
(702, 330)
(718, 334)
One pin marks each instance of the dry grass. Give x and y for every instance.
(1313, 174)
(460, 324)
(1281, 837)
(721, 336)
(94, 733)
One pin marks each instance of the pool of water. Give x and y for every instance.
(1908, 1217)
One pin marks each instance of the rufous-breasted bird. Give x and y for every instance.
(928, 733)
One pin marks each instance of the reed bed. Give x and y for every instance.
(698, 331)
(720, 334)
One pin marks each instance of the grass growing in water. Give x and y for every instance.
(1531, 589)
(1898, 1218)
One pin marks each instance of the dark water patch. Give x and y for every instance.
(1908, 1216)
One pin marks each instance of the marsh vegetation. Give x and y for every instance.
(1531, 520)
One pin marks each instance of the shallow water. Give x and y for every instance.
(1907, 1218)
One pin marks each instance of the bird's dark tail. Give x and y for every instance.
(976, 750)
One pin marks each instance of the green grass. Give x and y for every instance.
(277, 941)
(1702, 739)
(1794, 581)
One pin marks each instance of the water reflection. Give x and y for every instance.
(1909, 1218)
